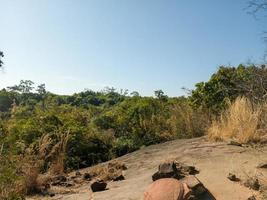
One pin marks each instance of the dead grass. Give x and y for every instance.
(241, 122)
(107, 171)
(185, 122)
(32, 165)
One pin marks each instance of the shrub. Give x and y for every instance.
(11, 187)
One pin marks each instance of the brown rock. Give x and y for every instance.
(58, 180)
(252, 198)
(252, 183)
(78, 173)
(98, 186)
(166, 170)
(234, 143)
(166, 189)
(262, 165)
(87, 176)
(119, 178)
(232, 177)
(194, 184)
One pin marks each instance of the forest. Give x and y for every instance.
(42, 132)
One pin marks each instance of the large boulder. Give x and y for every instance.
(167, 189)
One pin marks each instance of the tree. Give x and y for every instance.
(160, 95)
(135, 94)
(258, 7)
(25, 87)
(1, 56)
(42, 92)
(227, 84)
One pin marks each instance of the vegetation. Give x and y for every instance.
(1, 56)
(43, 134)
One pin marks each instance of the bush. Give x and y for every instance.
(123, 146)
(11, 187)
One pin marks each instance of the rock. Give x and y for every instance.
(119, 178)
(234, 143)
(166, 170)
(252, 183)
(262, 165)
(87, 176)
(47, 193)
(97, 186)
(232, 177)
(78, 173)
(61, 178)
(252, 198)
(186, 169)
(68, 184)
(191, 170)
(194, 184)
(58, 180)
(167, 189)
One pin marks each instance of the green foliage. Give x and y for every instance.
(227, 84)
(1, 56)
(5, 101)
(9, 179)
(99, 125)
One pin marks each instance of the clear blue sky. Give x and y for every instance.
(141, 45)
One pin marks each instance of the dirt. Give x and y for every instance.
(213, 160)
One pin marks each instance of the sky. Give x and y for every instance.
(140, 45)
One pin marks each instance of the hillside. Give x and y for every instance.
(214, 161)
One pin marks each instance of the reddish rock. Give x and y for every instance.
(167, 189)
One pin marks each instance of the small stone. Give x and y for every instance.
(58, 180)
(252, 198)
(232, 177)
(98, 186)
(68, 184)
(87, 176)
(262, 165)
(234, 143)
(119, 178)
(190, 170)
(252, 183)
(78, 173)
(61, 178)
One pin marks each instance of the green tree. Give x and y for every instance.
(42, 93)
(228, 83)
(1, 56)
(160, 95)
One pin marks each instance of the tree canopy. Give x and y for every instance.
(1, 56)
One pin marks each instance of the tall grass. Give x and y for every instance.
(31, 172)
(186, 122)
(241, 122)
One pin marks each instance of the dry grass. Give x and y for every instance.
(185, 122)
(240, 122)
(58, 153)
(32, 164)
(107, 171)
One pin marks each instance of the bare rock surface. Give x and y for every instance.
(213, 160)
